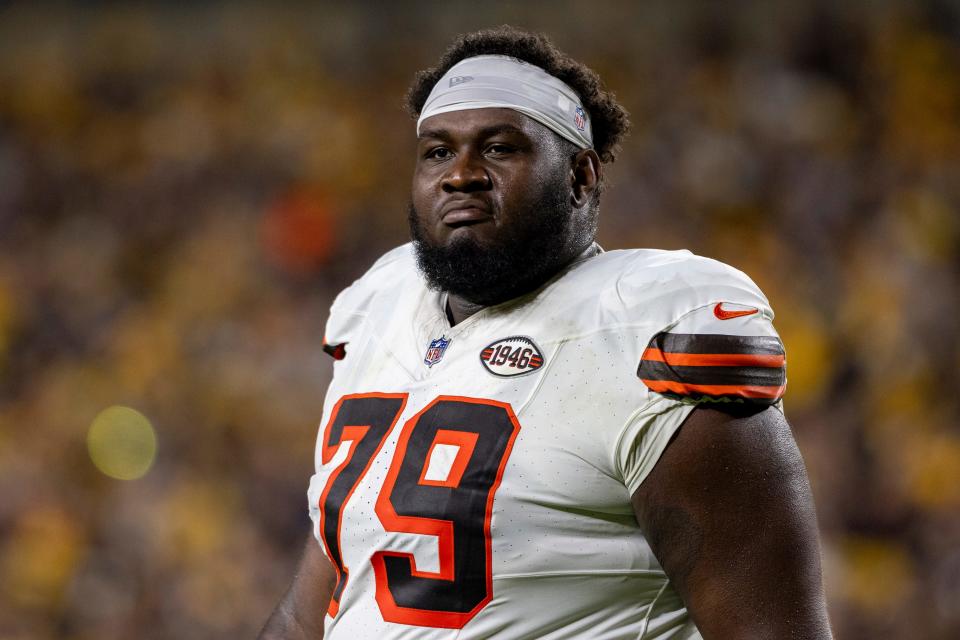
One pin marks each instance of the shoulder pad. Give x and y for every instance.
(352, 305)
(671, 284)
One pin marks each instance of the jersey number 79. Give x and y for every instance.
(456, 509)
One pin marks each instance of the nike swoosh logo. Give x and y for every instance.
(723, 314)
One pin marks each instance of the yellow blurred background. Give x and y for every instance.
(184, 188)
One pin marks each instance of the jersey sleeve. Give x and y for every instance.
(645, 437)
(726, 352)
(343, 323)
(720, 346)
(350, 308)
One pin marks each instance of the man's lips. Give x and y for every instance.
(464, 212)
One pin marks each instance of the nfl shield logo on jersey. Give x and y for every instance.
(435, 351)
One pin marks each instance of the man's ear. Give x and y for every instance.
(585, 174)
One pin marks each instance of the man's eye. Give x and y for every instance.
(438, 153)
(499, 149)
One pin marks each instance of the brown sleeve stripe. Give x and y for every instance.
(714, 359)
(749, 368)
(753, 376)
(709, 343)
(717, 391)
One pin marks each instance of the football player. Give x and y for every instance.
(529, 437)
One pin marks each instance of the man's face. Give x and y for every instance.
(491, 213)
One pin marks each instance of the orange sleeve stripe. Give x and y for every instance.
(746, 391)
(714, 359)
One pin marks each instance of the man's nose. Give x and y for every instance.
(466, 174)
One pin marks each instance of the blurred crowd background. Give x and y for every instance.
(184, 188)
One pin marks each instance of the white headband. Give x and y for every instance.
(502, 81)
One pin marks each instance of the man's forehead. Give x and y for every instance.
(472, 122)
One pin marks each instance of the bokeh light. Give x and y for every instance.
(122, 443)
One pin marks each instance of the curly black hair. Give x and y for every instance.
(609, 120)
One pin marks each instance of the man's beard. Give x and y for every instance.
(536, 248)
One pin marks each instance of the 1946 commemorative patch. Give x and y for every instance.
(513, 356)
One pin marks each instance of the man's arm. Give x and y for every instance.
(299, 614)
(729, 514)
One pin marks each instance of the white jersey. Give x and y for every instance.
(474, 481)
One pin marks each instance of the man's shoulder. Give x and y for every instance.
(396, 264)
(396, 268)
(635, 274)
(657, 285)
(391, 277)
(664, 265)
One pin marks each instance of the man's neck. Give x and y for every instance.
(459, 309)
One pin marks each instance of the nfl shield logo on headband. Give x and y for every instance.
(580, 118)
